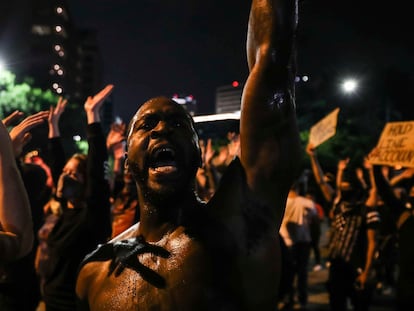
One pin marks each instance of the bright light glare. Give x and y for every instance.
(2, 66)
(216, 117)
(349, 86)
(180, 101)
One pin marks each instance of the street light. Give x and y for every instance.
(349, 86)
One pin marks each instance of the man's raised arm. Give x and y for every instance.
(270, 146)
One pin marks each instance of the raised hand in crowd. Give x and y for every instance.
(20, 134)
(406, 174)
(54, 117)
(116, 134)
(207, 152)
(327, 190)
(206, 180)
(233, 146)
(93, 104)
(115, 143)
(13, 117)
(16, 227)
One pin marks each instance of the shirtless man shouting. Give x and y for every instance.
(187, 255)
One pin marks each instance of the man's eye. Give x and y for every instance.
(145, 126)
(148, 124)
(178, 123)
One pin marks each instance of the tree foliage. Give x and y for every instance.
(22, 96)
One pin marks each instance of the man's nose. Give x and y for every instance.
(162, 128)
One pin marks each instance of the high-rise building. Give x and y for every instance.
(38, 39)
(89, 65)
(53, 45)
(228, 98)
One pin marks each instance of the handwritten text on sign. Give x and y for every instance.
(324, 129)
(395, 146)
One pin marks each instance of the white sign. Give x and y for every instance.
(395, 146)
(324, 129)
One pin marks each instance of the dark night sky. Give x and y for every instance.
(154, 47)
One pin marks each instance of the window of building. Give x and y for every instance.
(41, 30)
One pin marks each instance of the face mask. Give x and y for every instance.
(69, 188)
(347, 195)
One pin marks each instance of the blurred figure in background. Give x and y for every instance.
(355, 221)
(19, 289)
(81, 203)
(315, 226)
(296, 233)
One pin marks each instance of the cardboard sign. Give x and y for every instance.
(395, 146)
(324, 129)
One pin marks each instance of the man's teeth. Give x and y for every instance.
(165, 169)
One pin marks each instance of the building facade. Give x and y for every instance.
(228, 98)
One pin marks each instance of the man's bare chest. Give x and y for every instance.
(175, 271)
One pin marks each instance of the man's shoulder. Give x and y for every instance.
(107, 251)
(93, 273)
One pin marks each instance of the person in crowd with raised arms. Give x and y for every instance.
(401, 214)
(82, 199)
(18, 277)
(328, 191)
(355, 222)
(16, 233)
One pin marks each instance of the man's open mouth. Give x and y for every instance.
(163, 160)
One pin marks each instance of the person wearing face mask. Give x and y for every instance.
(80, 207)
(355, 220)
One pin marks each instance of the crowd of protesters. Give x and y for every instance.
(75, 205)
(72, 227)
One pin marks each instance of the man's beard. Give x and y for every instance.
(160, 193)
(164, 195)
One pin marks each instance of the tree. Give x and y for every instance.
(23, 96)
(29, 99)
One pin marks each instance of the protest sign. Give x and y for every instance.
(324, 129)
(395, 146)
